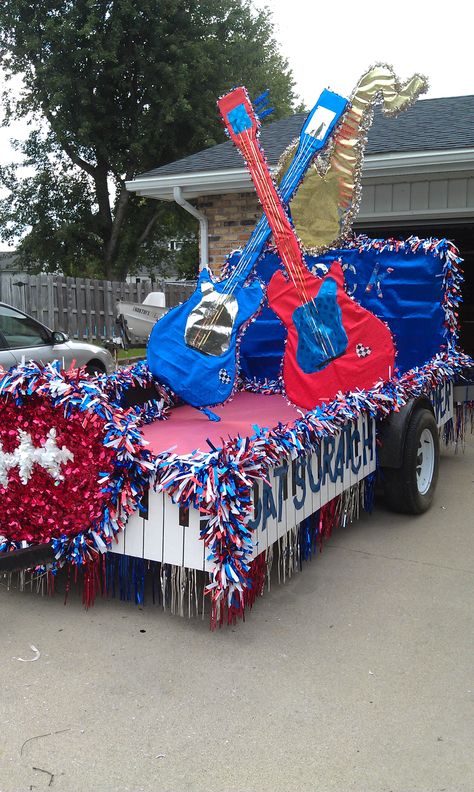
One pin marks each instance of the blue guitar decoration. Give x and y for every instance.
(320, 319)
(193, 348)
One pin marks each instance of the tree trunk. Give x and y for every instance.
(111, 247)
(105, 214)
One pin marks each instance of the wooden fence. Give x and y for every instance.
(81, 307)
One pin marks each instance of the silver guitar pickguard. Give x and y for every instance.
(209, 325)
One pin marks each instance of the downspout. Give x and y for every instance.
(203, 226)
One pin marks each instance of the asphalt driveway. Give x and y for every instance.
(355, 675)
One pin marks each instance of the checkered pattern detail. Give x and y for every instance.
(224, 376)
(363, 351)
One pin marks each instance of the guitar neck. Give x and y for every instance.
(330, 105)
(280, 226)
(262, 231)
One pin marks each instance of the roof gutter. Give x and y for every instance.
(396, 165)
(193, 184)
(203, 226)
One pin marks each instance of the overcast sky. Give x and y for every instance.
(331, 44)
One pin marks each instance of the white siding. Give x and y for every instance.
(401, 196)
(431, 198)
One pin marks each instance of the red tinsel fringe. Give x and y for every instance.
(257, 575)
(327, 520)
(91, 585)
(221, 612)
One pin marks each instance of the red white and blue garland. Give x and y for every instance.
(124, 384)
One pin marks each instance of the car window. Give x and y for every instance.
(21, 331)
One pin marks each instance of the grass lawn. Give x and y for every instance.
(132, 352)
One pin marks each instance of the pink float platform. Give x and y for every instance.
(188, 429)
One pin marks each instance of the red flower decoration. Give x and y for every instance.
(43, 508)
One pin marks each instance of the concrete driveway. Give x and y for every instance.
(355, 675)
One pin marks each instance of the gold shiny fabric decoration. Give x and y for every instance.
(327, 202)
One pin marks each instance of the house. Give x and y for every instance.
(163, 271)
(9, 262)
(418, 178)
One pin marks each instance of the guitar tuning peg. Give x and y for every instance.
(260, 105)
(262, 98)
(264, 113)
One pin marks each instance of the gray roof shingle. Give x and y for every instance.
(429, 125)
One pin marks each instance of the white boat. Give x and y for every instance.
(137, 320)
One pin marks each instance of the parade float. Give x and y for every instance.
(269, 403)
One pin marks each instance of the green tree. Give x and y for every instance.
(185, 261)
(118, 87)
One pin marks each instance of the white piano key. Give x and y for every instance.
(268, 523)
(314, 481)
(193, 555)
(119, 545)
(373, 462)
(367, 435)
(332, 481)
(327, 486)
(357, 462)
(363, 452)
(280, 488)
(363, 464)
(134, 536)
(259, 539)
(308, 504)
(297, 491)
(349, 477)
(173, 533)
(291, 518)
(208, 563)
(153, 541)
(339, 466)
(304, 490)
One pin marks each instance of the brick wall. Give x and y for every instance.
(231, 219)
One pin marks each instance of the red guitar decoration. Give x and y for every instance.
(333, 343)
(369, 354)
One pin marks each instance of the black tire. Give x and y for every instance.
(95, 367)
(410, 489)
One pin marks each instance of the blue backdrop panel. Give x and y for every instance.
(402, 288)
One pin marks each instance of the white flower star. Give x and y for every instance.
(26, 455)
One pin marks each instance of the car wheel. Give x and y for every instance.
(410, 489)
(95, 367)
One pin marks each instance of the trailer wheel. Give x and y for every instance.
(410, 489)
(95, 367)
